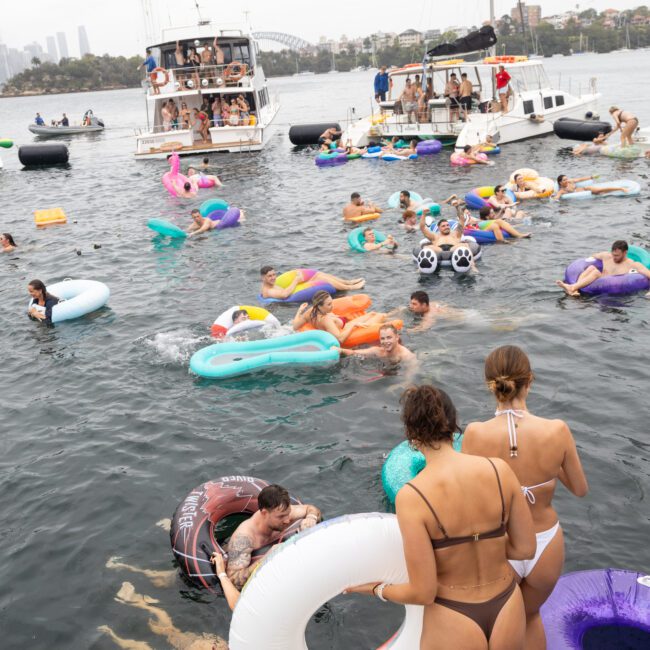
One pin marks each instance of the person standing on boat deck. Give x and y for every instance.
(503, 81)
(166, 117)
(540, 452)
(179, 56)
(173, 113)
(207, 57)
(185, 115)
(417, 83)
(452, 88)
(382, 84)
(234, 113)
(64, 120)
(409, 98)
(218, 52)
(202, 123)
(216, 111)
(465, 92)
(626, 123)
(149, 63)
(461, 519)
(39, 121)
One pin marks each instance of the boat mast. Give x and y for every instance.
(493, 49)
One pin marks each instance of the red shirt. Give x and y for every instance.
(502, 79)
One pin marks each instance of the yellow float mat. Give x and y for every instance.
(48, 217)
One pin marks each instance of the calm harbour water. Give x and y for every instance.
(104, 431)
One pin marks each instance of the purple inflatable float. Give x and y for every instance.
(612, 284)
(598, 610)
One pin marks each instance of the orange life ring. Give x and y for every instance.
(153, 75)
(235, 71)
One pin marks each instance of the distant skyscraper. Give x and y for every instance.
(84, 47)
(34, 51)
(5, 70)
(52, 53)
(63, 45)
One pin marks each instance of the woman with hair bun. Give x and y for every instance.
(461, 519)
(540, 452)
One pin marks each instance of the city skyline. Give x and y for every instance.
(119, 29)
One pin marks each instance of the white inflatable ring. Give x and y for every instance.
(304, 572)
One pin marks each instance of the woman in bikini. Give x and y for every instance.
(626, 123)
(320, 314)
(540, 452)
(461, 576)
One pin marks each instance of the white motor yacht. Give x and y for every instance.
(533, 104)
(233, 71)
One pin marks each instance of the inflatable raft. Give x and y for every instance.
(77, 298)
(224, 360)
(634, 189)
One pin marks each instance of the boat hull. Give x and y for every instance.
(57, 131)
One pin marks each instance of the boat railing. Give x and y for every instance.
(175, 128)
(205, 77)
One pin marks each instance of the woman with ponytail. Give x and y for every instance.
(540, 452)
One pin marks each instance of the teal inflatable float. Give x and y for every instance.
(224, 360)
(211, 205)
(403, 464)
(357, 240)
(166, 228)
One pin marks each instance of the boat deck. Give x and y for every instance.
(197, 147)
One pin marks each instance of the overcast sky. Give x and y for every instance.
(117, 26)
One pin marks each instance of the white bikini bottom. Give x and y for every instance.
(525, 567)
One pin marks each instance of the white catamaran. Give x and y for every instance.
(533, 104)
(233, 71)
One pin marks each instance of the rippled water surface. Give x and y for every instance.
(104, 431)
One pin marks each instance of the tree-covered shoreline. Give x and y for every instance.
(76, 75)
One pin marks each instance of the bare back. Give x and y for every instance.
(541, 451)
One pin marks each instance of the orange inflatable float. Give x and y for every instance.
(351, 307)
(364, 217)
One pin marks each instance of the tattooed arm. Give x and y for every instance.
(239, 567)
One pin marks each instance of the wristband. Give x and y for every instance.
(222, 575)
(312, 515)
(379, 591)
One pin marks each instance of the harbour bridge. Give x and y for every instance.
(291, 42)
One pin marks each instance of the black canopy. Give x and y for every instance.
(479, 40)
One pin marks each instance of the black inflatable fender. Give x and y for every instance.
(35, 155)
(304, 134)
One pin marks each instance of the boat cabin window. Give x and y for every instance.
(548, 102)
(518, 80)
(559, 100)
(529, 107)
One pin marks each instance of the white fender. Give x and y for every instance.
(304, 572)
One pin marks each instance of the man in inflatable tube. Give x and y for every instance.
(268, 289)
(390, 348)
(275, 515)
(445, 239)
(357, 207)
(615, 263)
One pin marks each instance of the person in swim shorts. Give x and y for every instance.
(357, 207)
(615, 263)
(390, 348)
(275, 514)
(460, 520)
(540, 452)
(268, 289)
(568, 186)
(409, 98)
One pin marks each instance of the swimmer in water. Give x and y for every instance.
(186, 191)
(239, 316)
(160, 624)
(568, 186)
(390, 348)
(409, 221)
(615, 263)
(40, 306)
(205, 164)
(320, 314)
(195, 178)
(357, 207)
(268, 289)
(420, 305)
(7, 242)
(200, 224)
(371, 244)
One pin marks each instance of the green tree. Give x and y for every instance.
(36, 61)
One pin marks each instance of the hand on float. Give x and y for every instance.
(307, 522)
(219, 562)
